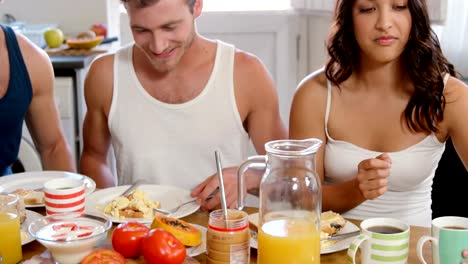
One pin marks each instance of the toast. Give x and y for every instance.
(331, 222)
(30, 197)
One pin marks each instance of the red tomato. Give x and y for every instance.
(162, 247)
(127, 237)
(103, 256)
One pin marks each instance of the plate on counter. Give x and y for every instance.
(197, 250)
(168, 196)
(34, 180)
(30, 217)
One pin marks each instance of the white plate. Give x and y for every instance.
(197, 250)
(30, 217)
(36, 179)
(168, 196)
(344, 243)
(338, 246)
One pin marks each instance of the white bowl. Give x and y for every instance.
(70, 236)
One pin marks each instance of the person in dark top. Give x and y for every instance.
(449, 186)
(26, 94)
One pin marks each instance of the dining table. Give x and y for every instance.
(35, 253)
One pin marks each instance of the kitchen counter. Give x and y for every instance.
(71, 62)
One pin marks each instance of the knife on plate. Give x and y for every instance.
(132, 188)
(343, 235)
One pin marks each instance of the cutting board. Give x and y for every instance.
(64, 50)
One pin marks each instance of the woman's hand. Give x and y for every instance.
(373, 174)
(465, 255)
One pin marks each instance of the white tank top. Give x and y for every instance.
(410, 182)
(174, 144)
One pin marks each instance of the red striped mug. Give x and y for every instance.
(64, 195)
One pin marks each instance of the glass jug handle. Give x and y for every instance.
(258, 162)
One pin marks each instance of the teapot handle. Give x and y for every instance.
(258, 162)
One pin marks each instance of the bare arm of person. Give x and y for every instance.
(257, 103)
(307, 120)
(96, 135)
(256, 92)
(456, 117)
(42, 117)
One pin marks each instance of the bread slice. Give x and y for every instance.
(253, 221)
(30, 197)
(331, 222)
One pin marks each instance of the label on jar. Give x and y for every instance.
(240, 253)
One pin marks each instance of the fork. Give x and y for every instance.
(175, 209)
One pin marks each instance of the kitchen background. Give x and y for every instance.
(287, 35)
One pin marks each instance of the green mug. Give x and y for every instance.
(449, 238)
(382, 241)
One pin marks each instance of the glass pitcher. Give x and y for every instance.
(290, 202)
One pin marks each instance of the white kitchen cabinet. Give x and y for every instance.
(64, 99)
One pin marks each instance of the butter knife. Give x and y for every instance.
(343, 236)
(132, 188)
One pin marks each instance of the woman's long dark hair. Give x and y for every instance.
(422, 57)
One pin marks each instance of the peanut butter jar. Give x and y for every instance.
(228, 240)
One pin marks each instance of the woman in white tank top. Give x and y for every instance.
(384, 106)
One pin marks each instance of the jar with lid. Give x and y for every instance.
(228, 241)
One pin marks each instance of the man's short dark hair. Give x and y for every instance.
(145, 3)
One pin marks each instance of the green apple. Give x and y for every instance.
(53, 37)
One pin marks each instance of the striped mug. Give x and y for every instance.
(382, 240)
(64, 195)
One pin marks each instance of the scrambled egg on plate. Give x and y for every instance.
(135, 205)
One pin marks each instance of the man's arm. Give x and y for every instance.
(42, 118)
(96, 135)
(257, 101)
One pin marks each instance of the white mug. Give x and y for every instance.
(382, 240)
(449, 238)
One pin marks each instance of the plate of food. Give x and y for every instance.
(331, 224)
(139, 205)
(29, 185)
(30, 217)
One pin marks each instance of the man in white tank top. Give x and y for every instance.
(172, 98)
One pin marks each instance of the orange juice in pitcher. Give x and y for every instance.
(288, 241)
(10, 242)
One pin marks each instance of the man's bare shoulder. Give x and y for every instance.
(248, 63)
(100, 72)
(99, 83)
(103, 63)
(35, 58)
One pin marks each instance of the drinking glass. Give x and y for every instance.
(10, 230)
